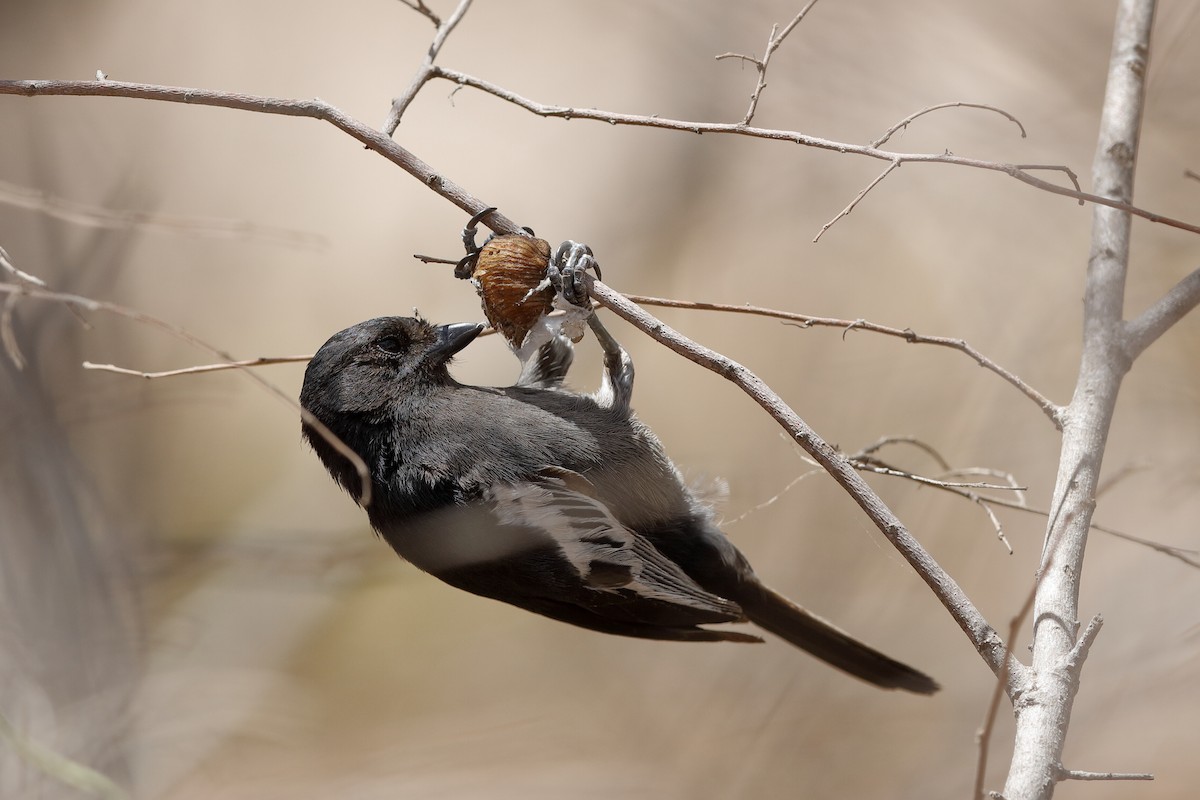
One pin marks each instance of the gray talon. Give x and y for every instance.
(466, 266)
(567, 268)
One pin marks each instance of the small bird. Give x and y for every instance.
(557, 502)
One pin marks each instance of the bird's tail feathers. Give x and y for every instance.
(774, 612)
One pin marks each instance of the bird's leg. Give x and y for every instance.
(616, 385)
(567, 268)
(548, 367)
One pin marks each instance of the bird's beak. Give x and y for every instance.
(452, 338)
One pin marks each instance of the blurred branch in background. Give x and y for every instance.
(88, 304)
(71, 627)
(92, 216)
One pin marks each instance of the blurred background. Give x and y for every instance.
(193, 608)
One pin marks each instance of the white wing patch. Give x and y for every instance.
(608, 556)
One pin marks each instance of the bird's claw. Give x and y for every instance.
(466, 265)
(567, 269)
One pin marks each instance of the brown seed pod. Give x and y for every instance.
(507, 275)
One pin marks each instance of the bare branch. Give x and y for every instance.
(1183, 554)
(21, 277)
(421, 8)
(773, 41)
(850, 207)
(1041, 727)
(374, 140)
(1020, 172)
(314, 109)
(1158, 318)
(882, 468)
(904, 123)
(1050, 409)
(170, 373)
(99, 217)
(424, 72)
(88, 304)
(925, 447)
(8, 337)
(869, 464)
(968, 617)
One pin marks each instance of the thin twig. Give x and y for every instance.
(881, 468)
(1049, 408)
(425, 71)
(1183, 554)
(22, 277)
(904, 123)
(1080, 775)
(967, 490)
(1187, 556)
(170, 373)
(1110, 481)
(420, 7)
(771, 500)
(424, 259)
(1020, 172)
(773, 41)
(913, 441)
(1083, 647)
(264, 361)
(850, 206)
(88, 304)
(8, 337)
(93, 216)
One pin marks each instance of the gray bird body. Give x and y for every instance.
(559, 503)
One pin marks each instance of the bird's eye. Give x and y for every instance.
(390, 345)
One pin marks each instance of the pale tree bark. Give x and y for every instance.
(1043, 705)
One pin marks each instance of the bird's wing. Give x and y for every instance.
(607, 556)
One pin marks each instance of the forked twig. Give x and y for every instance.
(425, 72)
(426, 11)
(760, 64)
